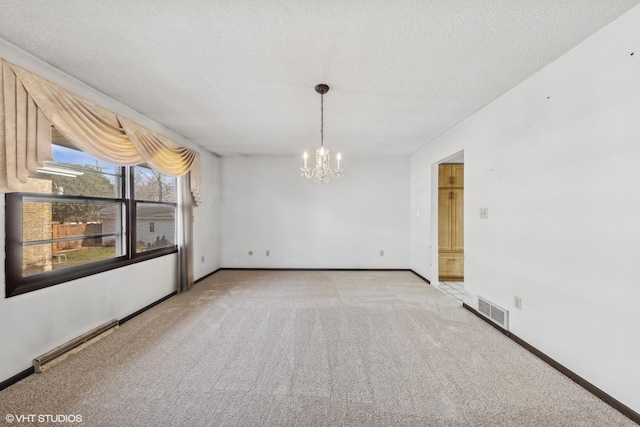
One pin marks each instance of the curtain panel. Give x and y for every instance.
(25, 133)
(29, 105)
(185, 240)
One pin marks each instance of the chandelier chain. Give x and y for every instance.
(321, 120)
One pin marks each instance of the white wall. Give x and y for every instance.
(206, 225)
(36, 322)
(556, 162)
(345, 223)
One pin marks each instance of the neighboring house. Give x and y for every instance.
(155, 223)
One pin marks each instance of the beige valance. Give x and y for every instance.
(164, 155)
(89, 127)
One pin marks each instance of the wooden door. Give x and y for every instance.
(451, 221)
(444, 176)
(457, 175)
(451, 266)
(451, 175)
(444, 219)
(457, 219)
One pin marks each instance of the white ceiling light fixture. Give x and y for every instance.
(322, 172)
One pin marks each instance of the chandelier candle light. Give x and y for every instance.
(322, 172)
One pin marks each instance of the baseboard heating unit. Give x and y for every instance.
(58, 354)
(496, 314)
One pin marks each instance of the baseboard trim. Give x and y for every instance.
(422, 277)
(325, 269)
(205, 276)
(605, 397)
(14, 379)
(312, 269)
(142, 310)
(474, 311)
(319, 269)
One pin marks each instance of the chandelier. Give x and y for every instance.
(322, 172)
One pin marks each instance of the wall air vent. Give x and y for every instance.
(496, 314)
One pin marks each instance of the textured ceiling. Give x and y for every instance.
(238, 77)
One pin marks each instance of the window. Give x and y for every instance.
(79, 216)
(155, 197)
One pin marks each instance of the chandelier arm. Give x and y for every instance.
(308, 173)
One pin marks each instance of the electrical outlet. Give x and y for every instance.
(267, 253)
(517, 303)
(484, 213)
(381, 253)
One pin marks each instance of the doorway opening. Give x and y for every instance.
(451, 225)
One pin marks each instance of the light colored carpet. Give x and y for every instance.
(251, 348)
